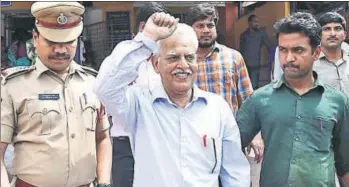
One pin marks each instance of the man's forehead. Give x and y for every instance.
(255, 19)
(207, 20)
(332, 24)
(293, 40)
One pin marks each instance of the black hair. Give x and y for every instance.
(251, 17)
(144, 12)
(200, 12)
(300, 22)
(332, 17)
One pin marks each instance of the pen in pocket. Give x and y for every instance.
(320, 123)
(85, 97)
(215, 154)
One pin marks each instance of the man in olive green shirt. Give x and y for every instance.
(304, 123)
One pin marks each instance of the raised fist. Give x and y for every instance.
(160, 26)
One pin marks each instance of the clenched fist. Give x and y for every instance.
(160, 26)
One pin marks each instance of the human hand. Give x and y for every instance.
(258, 147)
(160, 26)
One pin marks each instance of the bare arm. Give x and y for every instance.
(104, 156)
(4, 177)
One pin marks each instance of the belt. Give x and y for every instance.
(121, 137)
(20, 183)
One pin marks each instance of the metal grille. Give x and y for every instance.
(97, 46)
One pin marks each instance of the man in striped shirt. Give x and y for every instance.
(221, 70)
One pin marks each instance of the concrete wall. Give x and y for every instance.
(116, 6)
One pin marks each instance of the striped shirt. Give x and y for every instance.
(224, 72)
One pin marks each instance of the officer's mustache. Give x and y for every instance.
(59, 56)
(290, 65)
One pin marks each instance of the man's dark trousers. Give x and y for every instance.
(123, 162)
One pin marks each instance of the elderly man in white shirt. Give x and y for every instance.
(180, 135)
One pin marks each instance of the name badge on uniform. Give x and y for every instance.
(48, 96)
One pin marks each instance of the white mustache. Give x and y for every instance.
(187, 71)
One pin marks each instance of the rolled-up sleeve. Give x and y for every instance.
(235, 169)
(119, 70)
(8, 116)
(341, 141)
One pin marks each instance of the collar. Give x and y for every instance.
(283, 82)
(41, 68)
(216, 48)
(159, 92)
(345, 57)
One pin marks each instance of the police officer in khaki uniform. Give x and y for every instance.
(49, 112)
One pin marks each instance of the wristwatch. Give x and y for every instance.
(103, 185)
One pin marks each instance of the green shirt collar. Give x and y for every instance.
(283, 82)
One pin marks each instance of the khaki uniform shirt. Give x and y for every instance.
(52, 124)
(335, 74)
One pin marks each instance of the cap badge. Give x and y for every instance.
(62, 19)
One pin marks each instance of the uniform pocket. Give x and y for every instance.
(45, 114)
(89, 112)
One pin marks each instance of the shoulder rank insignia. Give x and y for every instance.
(14, 72)
(89, 70)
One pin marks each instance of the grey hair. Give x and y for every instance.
(185, 31)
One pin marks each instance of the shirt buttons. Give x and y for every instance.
(72, 135)
(297, 139)
(70, 109)
(299, 98)
(293, 161)
(299, 117)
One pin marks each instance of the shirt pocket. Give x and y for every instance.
(213, 153)
(319, 133)
(44, 115)
(89, 111)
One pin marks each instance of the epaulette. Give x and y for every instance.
(90, 71)
(14, 72)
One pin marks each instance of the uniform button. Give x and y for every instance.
(72, 135)
(296, 138)
(299, 98)
(299, 117)
(70, 109)
(293, 161)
